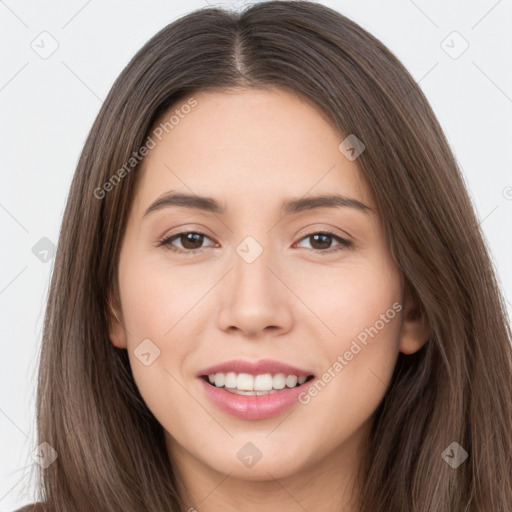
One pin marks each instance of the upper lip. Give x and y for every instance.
(254, 368)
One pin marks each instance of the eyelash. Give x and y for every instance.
(166, 243)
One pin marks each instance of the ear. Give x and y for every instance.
(415, 326)
(117, 333)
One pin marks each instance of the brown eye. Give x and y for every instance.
(191, 240)
(188, 242)
(321, 242)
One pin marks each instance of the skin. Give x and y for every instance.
(252, 149)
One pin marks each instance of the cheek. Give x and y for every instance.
(358, 364)
(156, 297)
(361, 305)
(162, 313)
(350, 298)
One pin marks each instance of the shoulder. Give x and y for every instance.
(34, 507)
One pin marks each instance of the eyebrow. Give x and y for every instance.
(291, 206)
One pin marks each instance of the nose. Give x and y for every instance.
(255, 299)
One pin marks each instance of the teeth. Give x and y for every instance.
(279, 381)
(219, 379)
(291, 381)
(230, 381)
(263, 382)
(247, 382)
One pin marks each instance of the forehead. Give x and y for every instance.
(247, 145)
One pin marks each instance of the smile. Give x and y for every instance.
(247, 384)
(281, 393)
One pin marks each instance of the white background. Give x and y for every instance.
(47, 107)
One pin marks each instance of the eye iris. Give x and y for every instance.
(191, 238)
(325, 244)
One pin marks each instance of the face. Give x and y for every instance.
(312, 285)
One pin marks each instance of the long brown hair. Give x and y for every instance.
(456, 389)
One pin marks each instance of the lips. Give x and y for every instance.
(254, 405)
(255, 368)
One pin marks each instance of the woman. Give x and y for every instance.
(191, 357)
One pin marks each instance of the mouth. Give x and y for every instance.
(255, 390)
(255, 385)
(255, 397)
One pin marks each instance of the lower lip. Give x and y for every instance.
(254, 407)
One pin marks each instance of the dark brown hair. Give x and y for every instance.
(457, 388)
